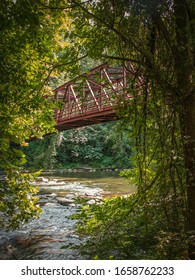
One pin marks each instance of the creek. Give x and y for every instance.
(43, 238)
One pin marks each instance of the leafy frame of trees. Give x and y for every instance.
(158, 38)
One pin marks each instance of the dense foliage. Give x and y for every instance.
(26, 34)
(130, 228)
(98, 146)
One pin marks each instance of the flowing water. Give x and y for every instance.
(43, 238)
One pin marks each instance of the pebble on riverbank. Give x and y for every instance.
(65, 201)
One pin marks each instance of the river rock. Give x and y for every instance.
(53, 195)
(45, 180)
(42, 202)
(64, 201)
(70, 196)
(50, 204)
(91, 201)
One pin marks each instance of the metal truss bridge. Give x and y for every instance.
(93, 97)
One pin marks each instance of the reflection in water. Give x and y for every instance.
(109, 182)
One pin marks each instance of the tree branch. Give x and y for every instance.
(120, 58)
(110, 27)
(164, 32)
(62, 65)
(60, 8)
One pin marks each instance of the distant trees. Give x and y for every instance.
(99, 146)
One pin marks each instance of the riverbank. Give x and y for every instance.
(82, 169)
(43, 238)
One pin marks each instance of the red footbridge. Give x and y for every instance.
(94, 97)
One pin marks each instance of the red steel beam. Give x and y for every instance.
(93, 97)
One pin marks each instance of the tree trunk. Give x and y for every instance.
(186, 100)
(188, 121)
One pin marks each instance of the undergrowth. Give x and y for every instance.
(130, 228)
